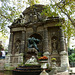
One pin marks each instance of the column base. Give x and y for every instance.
(12, 61)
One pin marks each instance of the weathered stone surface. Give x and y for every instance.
(45, 48)
(62, 73)
(62, 68)
(2, 64)
(64, 58)
(62, 42)
(12, 61)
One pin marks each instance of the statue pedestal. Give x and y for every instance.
(53, 64)
(31, 52)
(44, 64)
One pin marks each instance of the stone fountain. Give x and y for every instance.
(31, 66)
(32, 24)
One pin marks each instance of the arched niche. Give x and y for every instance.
(40, 45)
(37, 36)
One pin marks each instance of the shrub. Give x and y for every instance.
(72, 57)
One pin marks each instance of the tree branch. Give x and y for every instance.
(67, 15)
(5, 17)
(60, 7)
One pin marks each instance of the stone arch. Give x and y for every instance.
(37, 36)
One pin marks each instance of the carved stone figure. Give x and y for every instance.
(32, 60)
(17, 47)
(32, 43)
(54, 44)
(22, 19)
(39, 16)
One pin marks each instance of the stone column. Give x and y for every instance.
(62, 42)
(64, 58)
(10, 43)
(45, 41)
(23, 42)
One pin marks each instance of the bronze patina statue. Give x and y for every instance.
(32, 43)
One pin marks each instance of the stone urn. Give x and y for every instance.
(44, 67)
(43, 61)
(44, 64)
(53, 61)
